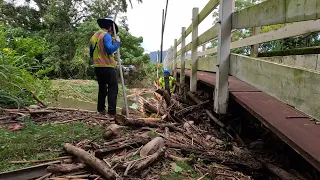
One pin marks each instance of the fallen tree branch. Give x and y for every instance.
(65, 168)
(36, 98)
(41, 161)
(71, 109)
(152, 109)
(91, 160)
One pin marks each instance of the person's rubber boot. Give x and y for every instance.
(102, 112)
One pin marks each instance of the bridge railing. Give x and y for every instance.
(300, 17)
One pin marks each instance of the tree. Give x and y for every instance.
(311, 39)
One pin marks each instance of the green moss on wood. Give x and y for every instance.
(298, 51)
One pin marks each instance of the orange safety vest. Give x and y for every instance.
(100, 56)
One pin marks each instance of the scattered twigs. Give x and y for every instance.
(102, 152)
(191, 108)
(202, 177)
(180, 159)
(115, 141)
(218, 122)
(121, 120)
(67, 121)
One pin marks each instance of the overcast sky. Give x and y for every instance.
(145, 20)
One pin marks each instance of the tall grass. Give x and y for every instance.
(15, 78)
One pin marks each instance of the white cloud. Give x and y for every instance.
(145, 20)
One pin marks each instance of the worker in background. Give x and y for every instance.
(167, 82)
(102, 50)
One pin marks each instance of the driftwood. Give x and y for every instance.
(65, 168)
(91, 160)
(150, 160)
(279, 172)
(217, 121)
(165, 95)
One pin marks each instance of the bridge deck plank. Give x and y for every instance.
(292, 126)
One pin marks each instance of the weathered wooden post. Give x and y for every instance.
(183, 63)
(203, 47)
(223, 61)
(175, 59)
(194, 50)
(254, 48)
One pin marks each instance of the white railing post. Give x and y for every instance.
(175, 59)
(254, 50)
(223, 61)
(183, 63)
(194, 50)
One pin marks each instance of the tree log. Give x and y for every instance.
(65, 168)
(91, 160)
(217, 121)
(279, 172)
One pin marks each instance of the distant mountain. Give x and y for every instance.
(153, 55)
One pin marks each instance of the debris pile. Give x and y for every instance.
(163, 137)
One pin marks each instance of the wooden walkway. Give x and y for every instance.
(292, 126)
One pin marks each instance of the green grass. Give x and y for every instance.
(82, 90)
(35, 142)
(187, 172)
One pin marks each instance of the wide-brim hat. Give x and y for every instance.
(103, 22)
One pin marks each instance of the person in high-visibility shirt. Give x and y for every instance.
(102, 49)
(167, 82)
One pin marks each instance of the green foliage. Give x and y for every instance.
(19, 69)
(308, 40)
(17, 146)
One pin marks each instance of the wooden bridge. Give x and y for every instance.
(283, 92)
